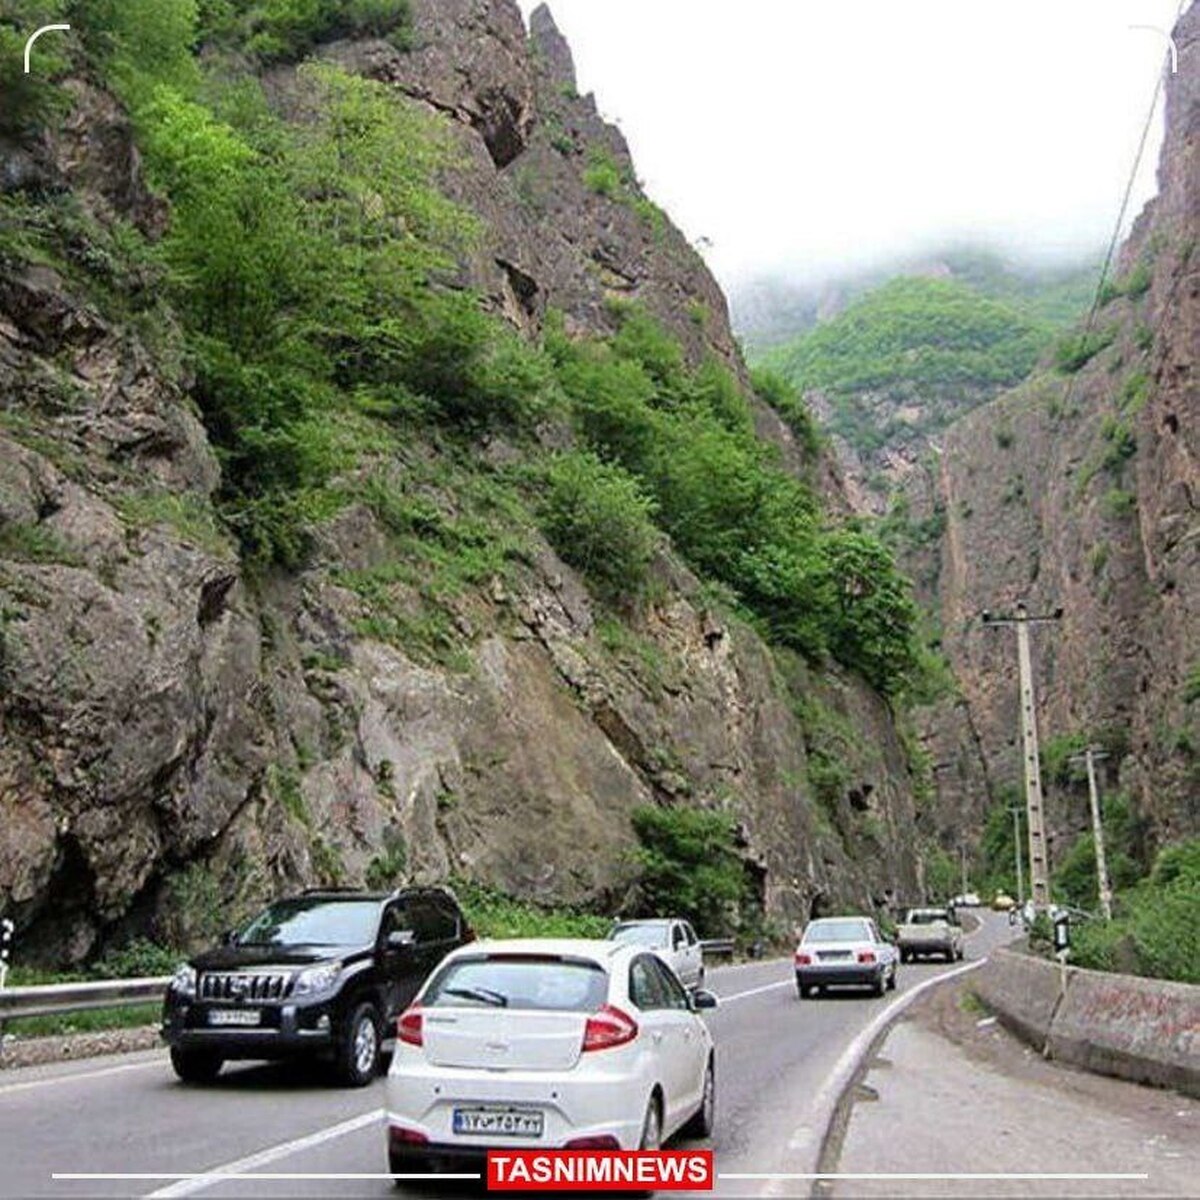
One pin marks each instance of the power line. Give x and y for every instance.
(1114, 241)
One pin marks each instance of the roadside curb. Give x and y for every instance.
(806, 1151)
(37, 1052)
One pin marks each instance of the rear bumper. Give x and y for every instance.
(919, 948)
(852, 974)
(589, 1101)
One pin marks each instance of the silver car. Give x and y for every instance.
(844, 951)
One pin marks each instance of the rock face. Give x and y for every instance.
(179, 741)
(1084, 491)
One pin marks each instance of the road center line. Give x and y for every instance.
(767, 987)
(242, 1166)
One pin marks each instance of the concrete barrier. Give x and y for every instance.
(1022, 991)
(1147, 1030)
(1144, 1030)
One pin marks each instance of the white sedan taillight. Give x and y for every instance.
(608, 1028)
(410, 1027)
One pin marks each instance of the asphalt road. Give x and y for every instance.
(775, 1056)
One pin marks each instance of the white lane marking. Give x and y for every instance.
(221, 1176)
(940, 1175)
(80, 1076)
(767, 987)
(191, 1184)
(806, 1142)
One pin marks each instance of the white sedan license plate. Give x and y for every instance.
(234, 1016)
(507, 1122)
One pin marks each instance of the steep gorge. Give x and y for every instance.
(183, 734)
(1081, 489)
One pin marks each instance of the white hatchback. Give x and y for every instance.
(552, 1044)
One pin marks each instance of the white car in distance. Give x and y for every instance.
(842, 951)
(551, 1044)
(672, 939)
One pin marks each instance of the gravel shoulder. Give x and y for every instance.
(949, 1091)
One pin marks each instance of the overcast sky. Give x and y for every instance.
(801, 136)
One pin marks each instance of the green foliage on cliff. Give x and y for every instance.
(1157, 927)
(688, 866)
(1074, 876)
(599, 520)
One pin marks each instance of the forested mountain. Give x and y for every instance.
(383, 497)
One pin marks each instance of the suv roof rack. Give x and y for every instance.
(337, 891)
(429, 889)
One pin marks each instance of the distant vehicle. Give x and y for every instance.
(837, 951)
(321, 974)
(966, 900)
(929, 931)
(567, 1044)
(1003, 902)
(672, 939)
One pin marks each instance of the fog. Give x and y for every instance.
(804, 138)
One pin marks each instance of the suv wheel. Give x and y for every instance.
(357, 1052)
(196, 1066)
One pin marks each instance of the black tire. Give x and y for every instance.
(652, 1125)
(805, 992)
(904, 956)
(356, 1055)
(701, 1123)
(891, 981)
(878, 987)
(408, 1164)
(196, 1066)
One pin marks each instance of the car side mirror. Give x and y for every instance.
(401, 939)
(703, 999)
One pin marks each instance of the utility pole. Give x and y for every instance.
(1039, 866)
(1091, 756)
(1016, 816)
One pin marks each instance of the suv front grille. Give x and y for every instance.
(240, 986)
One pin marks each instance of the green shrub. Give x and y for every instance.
(1157, 927)
(1076, 350)
(492, 914)
(599, 520)
(140, 958)
(688, 865)
(602, 175)
(773, 389)
(1119, 503)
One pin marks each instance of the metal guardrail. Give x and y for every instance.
(717, 948)
(52, 999)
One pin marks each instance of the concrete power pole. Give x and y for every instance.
(1039, 864)
(1091, 756)
(1016, 816)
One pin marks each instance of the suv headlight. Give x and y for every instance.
(313, 980)
(183, 982)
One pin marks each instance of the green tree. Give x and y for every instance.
(598, 519)
(688, 866)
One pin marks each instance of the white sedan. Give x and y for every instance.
(565, 1044)
(836, 951)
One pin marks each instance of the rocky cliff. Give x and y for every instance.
(182, 736)
(1081, 489)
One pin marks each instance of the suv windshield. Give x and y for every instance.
(313, 921)
(640, 935)
(838, 931)
(546, 984)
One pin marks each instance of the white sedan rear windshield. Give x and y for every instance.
(926, 916)
(838, 931)
(546, 984)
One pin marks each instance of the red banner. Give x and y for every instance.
(600, 1170)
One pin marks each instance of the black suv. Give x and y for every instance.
(323, 973)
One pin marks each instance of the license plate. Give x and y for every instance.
(506, 1122)
(234, 1016)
